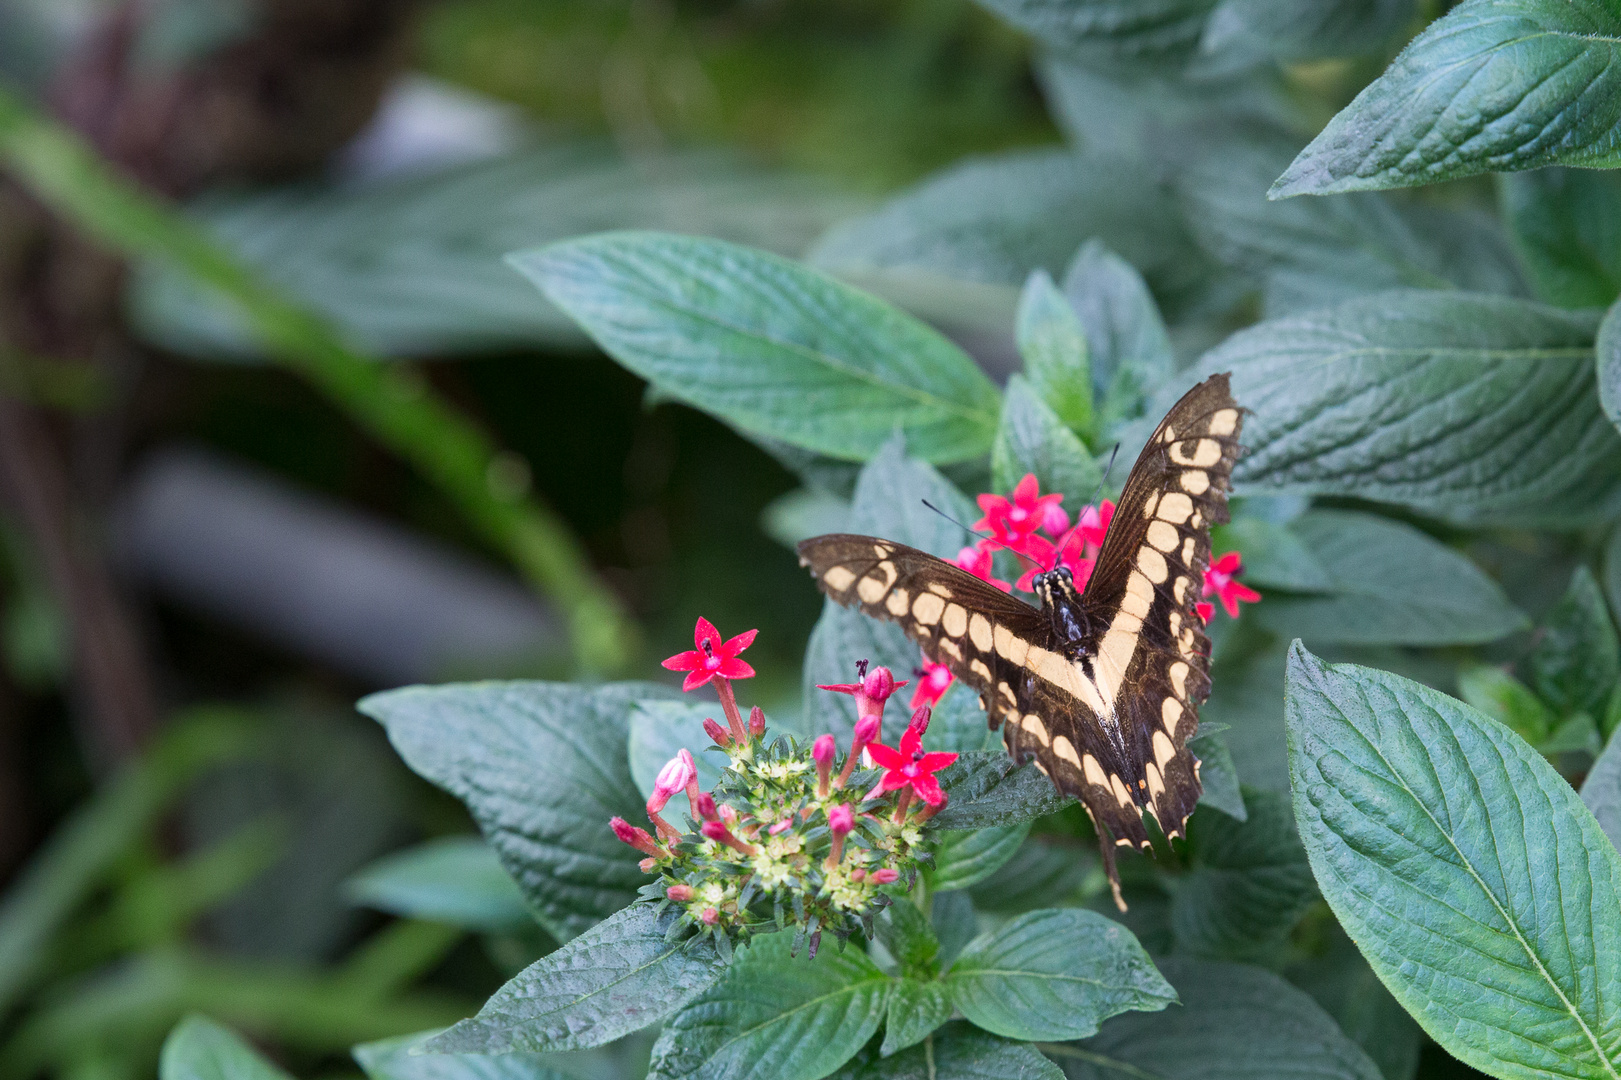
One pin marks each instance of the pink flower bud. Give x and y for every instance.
(884, 876)
(866, 731)
(715, 830)
(920, 720)
(640, 839)
(675, 775)
(1054, 520)
(716, 732)
(858, 874)
(879, 685)
(756, 722)
(679, 893)
(648, 865)
(781, 827)
(710, 916)
(727, 814)
(822, 752)
(704, 806)
(841, 819)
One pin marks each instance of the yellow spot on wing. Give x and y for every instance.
(1162, 535)
(1196, 481)
(1032, 724)
(1179, 678)
(1064, 749)
(1175, 507)
(979, 631)
(1223, 421)
(1164, 749)
(839, 578)
(927, 608)
(1094, 772)
(1152, 564)
(955, 620)
(898, 603)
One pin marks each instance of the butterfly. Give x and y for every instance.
(1100, 687)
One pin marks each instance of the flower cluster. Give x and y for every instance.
(789, 836)
(1036, 527)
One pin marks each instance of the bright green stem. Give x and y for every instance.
(396, 409)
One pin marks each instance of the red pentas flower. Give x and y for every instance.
(1220, 581)
(713, 657)
(1011, 520)
(932, 683)
(977, 561)
(909, 766)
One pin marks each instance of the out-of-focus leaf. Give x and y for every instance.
(1232, 1021)
(1312, 253)
(1118, 28)
(1351, 401)
(1033, 439)
(1274, 556)
(904, 931)
(967, 857)
(1246, 695)
(1566, 224)
(957, 1052)
(542, 767)
(1391, 585)
(769, 345)
(1339, 979)
(1053, 343)
(1466, 869)
(413, 267)
(1218, 772)
(1043, 872)
(391, 1059)
(803, 513)
(621, 975)
(1247, 885)
(1601, 791)
(659, 730)
(1305, 29)
(1507, 700)
(1493, 85)
(1054, 974)
(455, 879)
(1576, 660)
(1129, 351)
(1574, 733)
(916, 1008)
(200, 1049)
(773, 1016)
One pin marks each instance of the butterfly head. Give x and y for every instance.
(1062, 603)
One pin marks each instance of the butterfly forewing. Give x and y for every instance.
(1107, 718)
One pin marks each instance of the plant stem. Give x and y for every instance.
(397, 410)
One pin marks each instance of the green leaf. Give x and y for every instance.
(1217, 772)
(802, 513)
(916, 1009)
(1391, 585)
(1536, 447)
(987, 790)
(1033, 439)
(661, 729)
(1043, 872)
(1507, 700)
(1494, 85)
(1601, 791)
(1480, 889)
(542, 767)
(1306, 29)
(1246, 695)
(1574, 733)
(617, 977)
(1054, 974)
(769, 345)
(413, 267)
(1128, 348)
(1566, 224)
(1119, 28)
(1274, 556)
(776, 1017)
(1576, 660)
(956, 1052)
(1054, 347)
(967, 857)
(1247, 885)
(906, 933)
(392, 1059)
(454, 879)
(1233, 1021)
(1339, 979)
(200, 1049)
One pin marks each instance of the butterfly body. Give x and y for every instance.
(1099, 686)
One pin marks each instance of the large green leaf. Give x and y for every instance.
(1128, 349)
(769, 345)
(1311, 253)
(1601, 791)
(1234, 1022)
(200, 1049)
(1305, 29)
(916, 1008)
(773, 1016)
(1054, 974)
(1576, 660)
(413, 267)
(1338, 978)
(1478, 886)
(987, 789)
(392, 1059)
(1493, 85)
(1033, 439)
(1123, 28)
(967, 857)
(542, 767)
(1463, 406)
(956, 1052)
(1053, 344)
(621, 975)
(1566, 224)
(454, 879)
(1390, 584)
(1247, 883)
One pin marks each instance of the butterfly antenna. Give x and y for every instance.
(971, 532)
(1104, 479)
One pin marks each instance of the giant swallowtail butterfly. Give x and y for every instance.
(1100, 687)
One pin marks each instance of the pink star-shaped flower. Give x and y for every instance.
(910, 767)
(1221, 582)
(932, 684)
(977, 561)
(713, 658)
(1010, 520)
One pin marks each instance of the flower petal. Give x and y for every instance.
(928, 788)
(886, 757)
(686, 661)
(695, 680)
(734, 669)
(736, 645)
(705, 630)
(936, 761)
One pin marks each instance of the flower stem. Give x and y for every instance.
(728, 701)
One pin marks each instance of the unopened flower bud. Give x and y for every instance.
(704, 806)
(671, 779)
(710, 916)
(781, 827)
(822, 752)
(648, 865)
(679, 893)
(719, 734)
(640, 839)
(879, 685)
(858, 874)
(756, 722)
(884, 876)
(867, 729)
(718, 832)
(920, 720)
(841, 819)
(727, 813)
